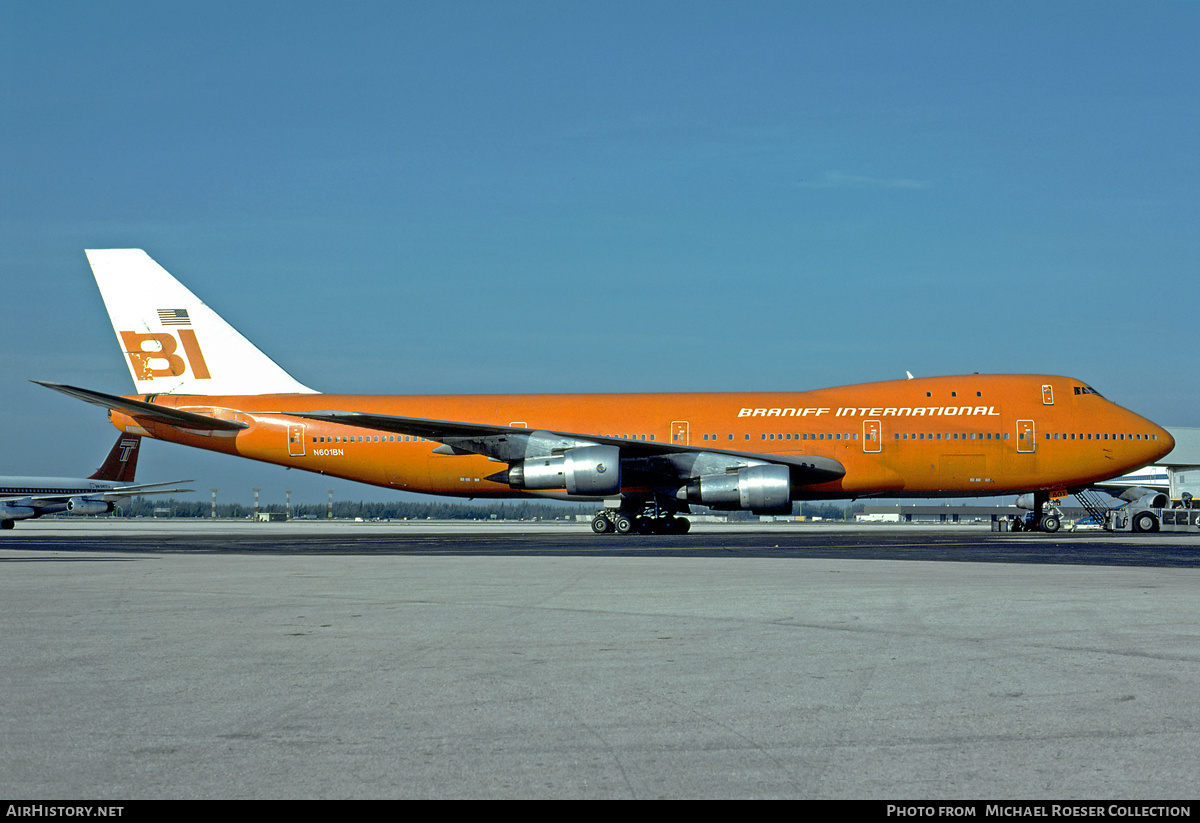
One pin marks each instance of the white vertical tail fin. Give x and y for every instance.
(173, 343)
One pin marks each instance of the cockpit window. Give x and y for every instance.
(1087, 390)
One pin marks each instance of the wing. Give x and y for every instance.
(114, 493)
(672, 462)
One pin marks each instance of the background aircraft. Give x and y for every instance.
(646, 457)
(24, 498)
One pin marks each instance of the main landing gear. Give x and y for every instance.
(650, 520)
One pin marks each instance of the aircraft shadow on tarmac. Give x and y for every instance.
(1091, 550)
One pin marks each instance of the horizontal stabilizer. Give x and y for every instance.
(150, 488)
(150, 411)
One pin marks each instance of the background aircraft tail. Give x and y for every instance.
(174, 343)
(121, 463)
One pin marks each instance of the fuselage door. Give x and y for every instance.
(679, 432)
(871, 436)
(296, 439)
(1047, 395)
(1025, 436)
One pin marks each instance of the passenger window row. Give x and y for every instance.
(1094, 436)
(360, 438)
(950, 436)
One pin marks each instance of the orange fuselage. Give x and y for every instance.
(940, 436)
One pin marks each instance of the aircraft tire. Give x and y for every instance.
(7, 524)
(601, 524)
(624, 524)
(1050, 523)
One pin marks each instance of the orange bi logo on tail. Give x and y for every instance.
(156, 354)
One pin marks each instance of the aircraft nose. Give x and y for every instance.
(1157, 440)
(1165, 440)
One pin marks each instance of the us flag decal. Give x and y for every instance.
(174, 317)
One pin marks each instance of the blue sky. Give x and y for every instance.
(461, 197)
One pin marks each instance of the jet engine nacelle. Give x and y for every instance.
(765, 489)
(11, 512)
(585, 470)
(1145, 500)
(84, 505)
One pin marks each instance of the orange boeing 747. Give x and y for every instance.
(646, 458)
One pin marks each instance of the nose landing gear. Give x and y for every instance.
(1045, 516)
